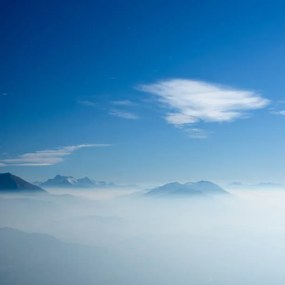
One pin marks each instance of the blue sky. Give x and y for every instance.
(143, 91)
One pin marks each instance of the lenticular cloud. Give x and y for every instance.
(191, 101)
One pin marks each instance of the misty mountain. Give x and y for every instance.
(201, 188)
(60, 181)
(36, 258)
(11, 183)
(50, 261)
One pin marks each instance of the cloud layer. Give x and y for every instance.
(45, 157)
(191, 101)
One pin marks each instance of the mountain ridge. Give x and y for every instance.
(200, 188)
(61, 181)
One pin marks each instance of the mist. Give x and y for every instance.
(120, 236)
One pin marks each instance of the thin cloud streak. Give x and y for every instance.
(87, 103)
(123, 103)
(191, 101)
(196, 133)
(280, 113)
(124, 114)
(46, 157)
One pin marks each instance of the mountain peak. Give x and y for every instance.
(13, 183)
(6, 174)
(60, 181)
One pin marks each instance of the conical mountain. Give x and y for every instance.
(12, 183)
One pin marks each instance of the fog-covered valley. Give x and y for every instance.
(122, 236)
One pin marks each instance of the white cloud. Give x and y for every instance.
(124, 114)
(191, 101)
(45, 157)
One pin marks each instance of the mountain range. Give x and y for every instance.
(13, 183)
(61, 181)
(201, 188)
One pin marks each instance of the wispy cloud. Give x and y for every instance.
(191, 101)
(45, 157)
(123, 103)
(196, 133)
(124, 114)
(278, 108)
(88, 103)
(280, 112)
(120, 111)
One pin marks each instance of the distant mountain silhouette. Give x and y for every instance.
(60, 181)
(201, 188)
(86, 182)
(12, 183)
(50, 261)
(269, 185)
(257, 186)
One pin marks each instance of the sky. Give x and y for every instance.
(143, 91)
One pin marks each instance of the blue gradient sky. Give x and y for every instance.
(70, 76)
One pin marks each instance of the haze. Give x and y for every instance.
(131, 239)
